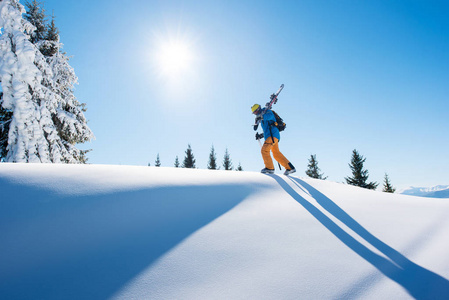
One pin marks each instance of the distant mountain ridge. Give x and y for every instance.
(438, 191)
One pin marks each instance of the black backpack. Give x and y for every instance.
(279, 122)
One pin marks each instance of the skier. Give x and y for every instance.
(272, 137)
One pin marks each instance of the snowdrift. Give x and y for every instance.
(122, 232)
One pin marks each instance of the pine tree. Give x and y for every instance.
(5, 120)
(239, 167)
(176, 162)
(189, 159)
(35, 14)
(50, 46)
(46, 120)
(212, 165)
(227, 162)
(313, 170)
(67, 113)
(388, 188)
(157, 163)
(22, 88)
(360, 176)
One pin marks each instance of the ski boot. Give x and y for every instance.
(267, 171)
(287, 172)
(291, 170)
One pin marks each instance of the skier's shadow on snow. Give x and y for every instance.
(418, 281)
(89, 247)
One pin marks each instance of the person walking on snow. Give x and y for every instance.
(272, 137)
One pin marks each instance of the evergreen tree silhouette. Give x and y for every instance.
(189, 159)
(388, 188)
(212, 165)
(359, 175)
(313, 170)
(227, 162)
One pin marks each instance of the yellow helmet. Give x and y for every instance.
(255, 107)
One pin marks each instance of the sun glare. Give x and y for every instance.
(174, 58)
(176, 63)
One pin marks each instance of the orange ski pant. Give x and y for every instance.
(268, 146)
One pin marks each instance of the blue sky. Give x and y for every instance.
(365, 75)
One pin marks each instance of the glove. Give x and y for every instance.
(259, 136)
(257, 121)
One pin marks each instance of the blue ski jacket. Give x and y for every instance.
(268, 121)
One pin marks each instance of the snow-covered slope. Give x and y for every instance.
(439, 191)
(121, 232)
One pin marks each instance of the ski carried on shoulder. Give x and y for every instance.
(274, 98)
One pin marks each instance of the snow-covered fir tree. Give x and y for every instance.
(21, 82)
(36, 17)
(46, 119)
(35, 14)
(189, 159)
(313, 170)
(51, 43)
(212, 164)
(5, 120)
(68, 114)
(177, 162)
(227, 162)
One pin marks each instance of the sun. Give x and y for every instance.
(174, 58)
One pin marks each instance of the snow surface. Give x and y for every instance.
(122, 232)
